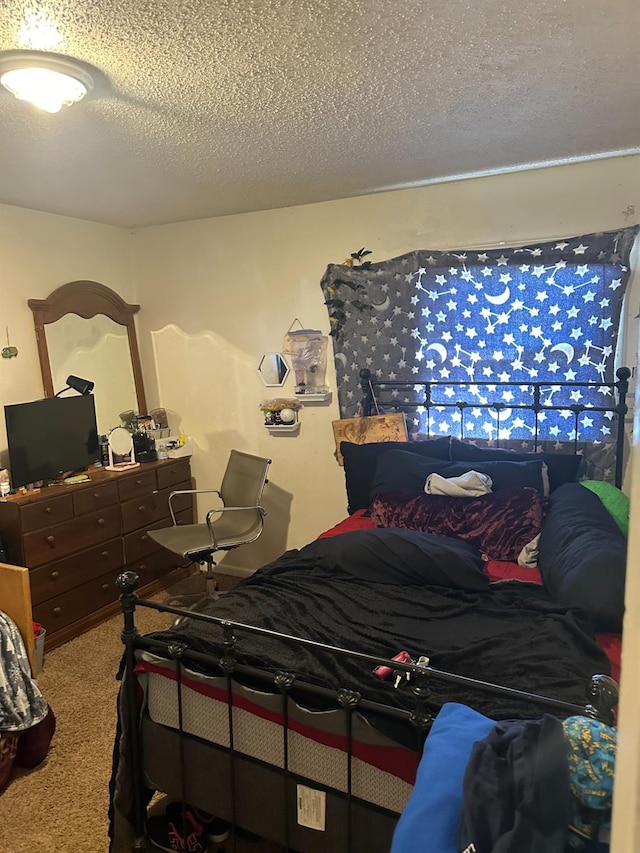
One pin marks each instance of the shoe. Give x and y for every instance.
(176, 838)
(216, 829)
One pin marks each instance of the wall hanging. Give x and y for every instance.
(307, 349)
(541, 312)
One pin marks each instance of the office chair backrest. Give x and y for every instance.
(244, 479)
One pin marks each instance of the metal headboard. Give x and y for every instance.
(375, 399)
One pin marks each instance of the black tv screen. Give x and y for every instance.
(48, 438)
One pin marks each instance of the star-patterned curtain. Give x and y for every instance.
(546, 312)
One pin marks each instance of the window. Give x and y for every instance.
(545, 313)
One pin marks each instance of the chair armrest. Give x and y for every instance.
(259, 509)
(189, 492)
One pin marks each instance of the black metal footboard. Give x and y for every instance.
(246, 790)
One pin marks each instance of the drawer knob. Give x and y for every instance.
(96, 495)
(105, 586)
(142, 567)
(141, 508)
(48, 509)
(100, 522)
(57, 611)
(51, 539)
(55, 575)
(144, 537)
(104, 554)
(138, 482)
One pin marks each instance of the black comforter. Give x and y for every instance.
(510, 633)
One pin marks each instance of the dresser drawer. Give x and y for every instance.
(58, 612)
(97, 497)
(137, 485)
(53, 543)
(56, 578)
(174, 472)
(46, 512)
(143, 513)
(138, 544)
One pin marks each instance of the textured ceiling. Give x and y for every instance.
(210, 107)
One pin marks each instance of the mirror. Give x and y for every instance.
(273, 369)
(121, 450)
(87, 329)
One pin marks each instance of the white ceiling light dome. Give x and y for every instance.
(47, 80)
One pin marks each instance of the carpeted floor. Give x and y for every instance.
(61, 807)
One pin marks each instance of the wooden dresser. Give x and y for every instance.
(77, 539)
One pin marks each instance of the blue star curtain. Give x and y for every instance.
(547, 312)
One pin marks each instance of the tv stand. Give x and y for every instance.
(77, 538)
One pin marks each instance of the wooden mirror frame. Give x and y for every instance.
(86, 298)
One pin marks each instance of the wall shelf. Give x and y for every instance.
(322, 397)
(283, 429)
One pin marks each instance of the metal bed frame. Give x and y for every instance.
(375, 399)
(601, 694)
(369, 828)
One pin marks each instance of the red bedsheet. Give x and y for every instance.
(611, 644)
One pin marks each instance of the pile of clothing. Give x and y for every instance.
(27, 723)
(536, 786)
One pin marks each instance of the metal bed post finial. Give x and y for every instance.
(603, 692)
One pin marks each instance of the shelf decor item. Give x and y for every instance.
(281, 415)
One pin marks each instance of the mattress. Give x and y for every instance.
(382, 772)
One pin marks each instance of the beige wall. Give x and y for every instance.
(39, 252)
(217, 293)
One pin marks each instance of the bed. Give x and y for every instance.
(269, 709)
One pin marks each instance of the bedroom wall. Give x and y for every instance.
(218, 293)
(39, 252)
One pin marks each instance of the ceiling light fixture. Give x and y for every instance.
(48, 80)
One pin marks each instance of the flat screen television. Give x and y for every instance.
(48, 438)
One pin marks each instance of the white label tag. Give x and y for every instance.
(312, 807)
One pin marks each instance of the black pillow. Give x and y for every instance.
(401, 557)
(583, 556)
(397, 471)
(360, 463)
(562, 467)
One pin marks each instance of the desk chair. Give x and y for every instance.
(238, 521)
